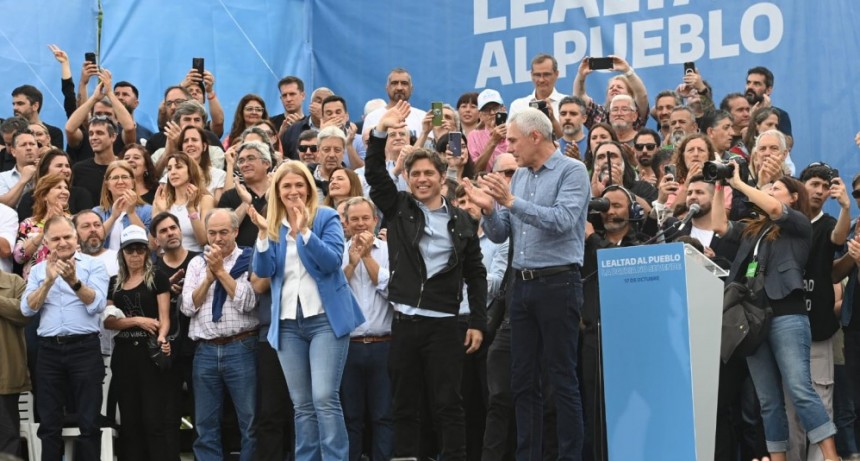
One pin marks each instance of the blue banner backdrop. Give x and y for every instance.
(25, 33)
(453, 46)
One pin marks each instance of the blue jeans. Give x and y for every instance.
(367, 385)
(545, 314)
(313, 360)
(233, 366)
(784, 357)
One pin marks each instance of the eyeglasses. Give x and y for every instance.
(138, 249)
(174, 102)
(254, 109)
(620, 110)
(645, 146)
(124, 177)
(244, 160)
(508, 173)
(307, 147)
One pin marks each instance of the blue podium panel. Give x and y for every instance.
(647, 366)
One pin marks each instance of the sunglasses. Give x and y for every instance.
(646, 146)
(508, 173)
(855, 193)
(139, 249)
(307, 148)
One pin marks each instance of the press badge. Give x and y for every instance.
(752, 268)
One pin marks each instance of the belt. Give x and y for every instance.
(531, 274)
(370, 339)
(230, 339)
(67, 339)
(417, 318)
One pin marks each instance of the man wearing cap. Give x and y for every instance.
(489, 142)
(69, 289)
(218, 297)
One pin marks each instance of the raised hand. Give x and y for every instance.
(59, 54)
(495, 185)
(394, 117)
(478, 196)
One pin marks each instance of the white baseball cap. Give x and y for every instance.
(487, 96)
(131, 235)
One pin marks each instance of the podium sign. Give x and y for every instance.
(661, 311)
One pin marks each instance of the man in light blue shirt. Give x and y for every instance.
(365, 376)
(543, 212)
(70, 291)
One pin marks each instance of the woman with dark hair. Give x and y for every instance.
(271, 132)
(56, 161)
(145, 179)
(250, 111)
(467, 108)
(776, 243)
(50, 198)
(120, 206)
(461, 166)
(192, 141)
(600, 132)
(763, 119)
(142, 293)
(343, 184)
(611, 166)
(185, 197)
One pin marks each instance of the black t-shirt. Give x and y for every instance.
(183, 344)
(55, 134)
(158, 140)
(79, 200)
(247, 230)
(7, 161)
(90, 176)
(84, 151)
(140, 301)
(817, 281)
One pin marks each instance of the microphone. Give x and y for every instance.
(694, 210)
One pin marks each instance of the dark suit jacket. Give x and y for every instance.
(784, 257)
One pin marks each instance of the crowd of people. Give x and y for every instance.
(407, 284)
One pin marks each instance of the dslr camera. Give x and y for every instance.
(722, 170)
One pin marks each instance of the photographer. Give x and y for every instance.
(613, 225)
(781, 236)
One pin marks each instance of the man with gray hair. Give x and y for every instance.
(187, 113)
(682, 123)
(219, 299)
(622, 116)
(544, 213)
(254, 161)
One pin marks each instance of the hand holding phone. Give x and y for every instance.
(436, 107)
(197, 64)
(455, 143)
(600, 63)
(689, 68)
(501, 118)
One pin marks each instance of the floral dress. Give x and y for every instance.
(28, 228)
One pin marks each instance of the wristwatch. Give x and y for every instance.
(77, 286)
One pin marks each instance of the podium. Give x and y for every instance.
(661, 313)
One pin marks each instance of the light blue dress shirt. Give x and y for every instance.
(63, 313)
(495, 259)
(435, 248)
(372, 298)
(547, 219)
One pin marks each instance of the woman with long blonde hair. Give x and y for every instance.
(300, 247)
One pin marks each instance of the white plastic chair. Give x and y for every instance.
(108, 433)
(29, 427)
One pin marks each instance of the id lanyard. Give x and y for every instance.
(753, 265)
